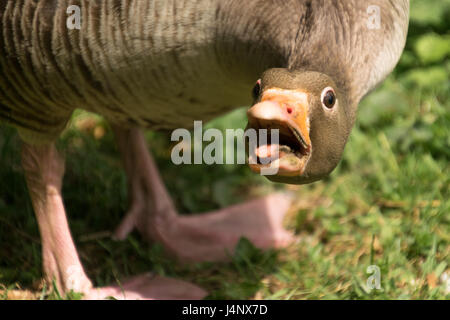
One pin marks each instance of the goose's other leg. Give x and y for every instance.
(201, 237)
(44, 170)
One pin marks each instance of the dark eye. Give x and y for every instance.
(256, 90)
(329, 98)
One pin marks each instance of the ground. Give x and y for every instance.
(387, 204)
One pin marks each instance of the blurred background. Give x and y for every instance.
(387, 204)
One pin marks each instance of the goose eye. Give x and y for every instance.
(329, 98)
(256, 89)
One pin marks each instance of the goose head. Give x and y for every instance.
(314, 118)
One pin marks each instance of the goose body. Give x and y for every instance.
(162, 64)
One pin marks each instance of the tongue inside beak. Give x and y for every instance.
(280, 155)
(290, 153)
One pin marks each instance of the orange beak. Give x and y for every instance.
(286, 110)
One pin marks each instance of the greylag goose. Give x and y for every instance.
(161, 64)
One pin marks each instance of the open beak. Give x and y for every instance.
(287, 111)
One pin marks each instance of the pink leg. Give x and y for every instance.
(44, 170)
(203, 237)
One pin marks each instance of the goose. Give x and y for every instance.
(303, 66)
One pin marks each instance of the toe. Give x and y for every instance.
(149, 287)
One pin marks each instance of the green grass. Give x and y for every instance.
(387, 204)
